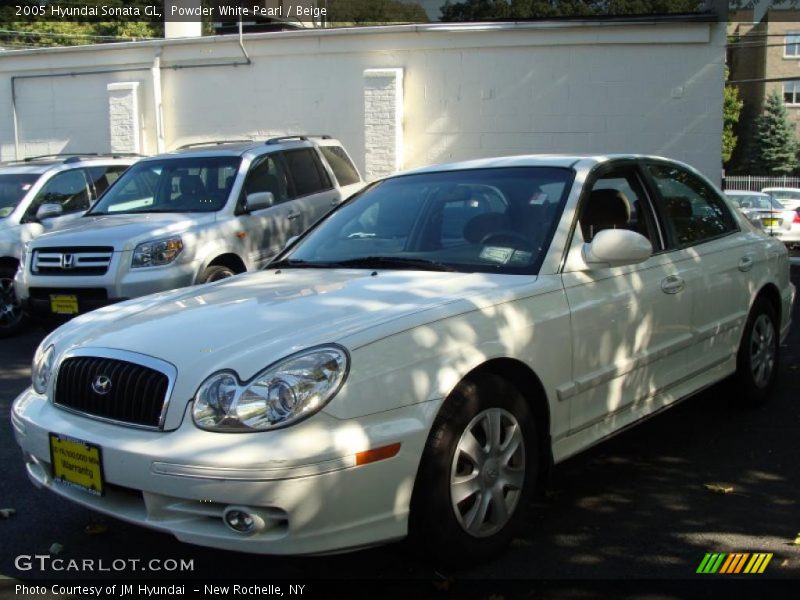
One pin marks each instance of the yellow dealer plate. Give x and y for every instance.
(64, 305)
(771, 222)
(77, 463)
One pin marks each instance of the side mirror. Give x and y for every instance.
(48, 211)
(617, 248)
(258, 201)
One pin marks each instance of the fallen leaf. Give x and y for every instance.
(7, 513)
(56, 548)
(719, 488)
(797, 540)
(95, 529)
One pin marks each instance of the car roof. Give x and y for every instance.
(36, 165)
(534, 160)
(743, 193)
(242, 147)
(780, 189)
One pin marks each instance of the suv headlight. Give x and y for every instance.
(42, 368)
(157, 253)
(287, 392)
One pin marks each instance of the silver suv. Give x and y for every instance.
(196, 215)
(41, 194)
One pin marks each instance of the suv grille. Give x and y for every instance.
(71, 261)
(112, 389)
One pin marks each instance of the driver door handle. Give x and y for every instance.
(293, 215)
(746, 263)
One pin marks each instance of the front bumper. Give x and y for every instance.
(302, 480)
(119, 283)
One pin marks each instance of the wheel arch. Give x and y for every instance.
(229, 259)
(528, 383)
(9, 262)
(770, 292)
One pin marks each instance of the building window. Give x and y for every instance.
(792, 44)
(791, 92)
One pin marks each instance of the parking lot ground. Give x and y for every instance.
(634, 507)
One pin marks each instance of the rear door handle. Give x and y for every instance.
(672, 284)
(746, 263)
(293, 216)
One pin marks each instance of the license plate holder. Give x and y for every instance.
(64, 304)
(77, 464)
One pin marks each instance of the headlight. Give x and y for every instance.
(157, 253)
(42, 369)
(288, 391)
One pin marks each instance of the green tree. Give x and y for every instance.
(774, 145)
(731, 110)
(39, 31)
(479, 10)
(364, 12)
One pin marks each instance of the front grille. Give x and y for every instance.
(133, 394)
(72, 261)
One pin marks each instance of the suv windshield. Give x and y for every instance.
(171, 185)
(483, 220)
(13, 189)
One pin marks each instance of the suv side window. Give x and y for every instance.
(307, 172)
(343, 168)
(693, 210)
(267, 175)
(102, 177)
(69, 189)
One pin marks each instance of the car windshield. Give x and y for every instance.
(13, 189)
(484, 220)
(785, 194)
(754, 202)
(171, 185)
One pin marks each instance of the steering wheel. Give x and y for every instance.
(507, 236)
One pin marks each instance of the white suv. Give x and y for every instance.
(40, 194)
(199, 214)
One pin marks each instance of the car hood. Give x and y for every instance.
(251, 320)
(122, 232)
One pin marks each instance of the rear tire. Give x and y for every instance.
(216, 273)
(759, 356)
(477, 474)
(13, 319)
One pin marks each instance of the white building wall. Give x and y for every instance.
(468, 92)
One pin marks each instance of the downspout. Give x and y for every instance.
(155, 69)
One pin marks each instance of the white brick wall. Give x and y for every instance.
(466, 93)
(383, 122)
(124, 117)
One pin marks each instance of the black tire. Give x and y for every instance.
(442, 528)
(216, 273)
(13, 320)
(759, 355)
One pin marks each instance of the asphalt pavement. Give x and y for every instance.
(634, 507)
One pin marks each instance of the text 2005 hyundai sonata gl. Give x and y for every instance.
(414, 363)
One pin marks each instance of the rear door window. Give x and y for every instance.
(306, 171)
(342, 166)
(102, 177)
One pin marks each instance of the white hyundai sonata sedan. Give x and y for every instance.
(415, 363)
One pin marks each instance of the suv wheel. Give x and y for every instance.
(215, 273)
(477, 474)
(12, 318)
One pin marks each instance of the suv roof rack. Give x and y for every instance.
(77, 156)
(302, 138)
(213, 143)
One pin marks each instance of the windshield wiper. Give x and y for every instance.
(367, 262)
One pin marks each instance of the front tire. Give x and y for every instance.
(759, 353)
(13, 319)
(215, 273)
(477, 474)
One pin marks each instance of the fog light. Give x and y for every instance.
(241, 520)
